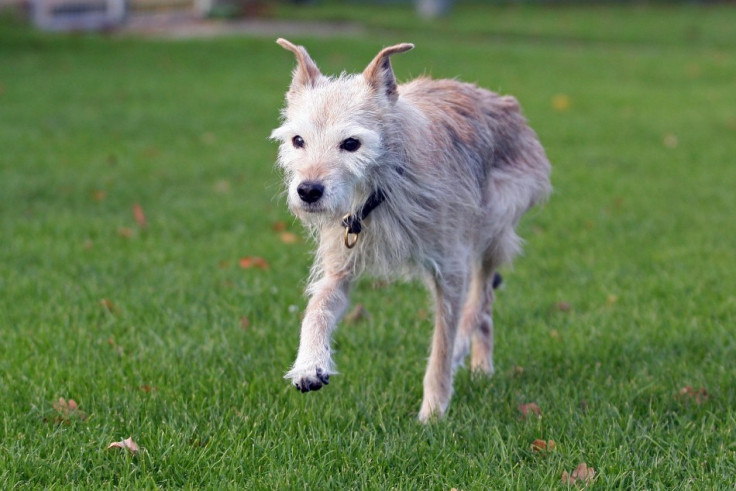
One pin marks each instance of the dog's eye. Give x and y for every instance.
(297, 141)
(350, 145)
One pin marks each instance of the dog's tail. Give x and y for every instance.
(497, 280)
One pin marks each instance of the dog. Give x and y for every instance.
(427, 179)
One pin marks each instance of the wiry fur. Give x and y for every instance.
(459, 167)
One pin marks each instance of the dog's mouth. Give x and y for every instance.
(308, 208)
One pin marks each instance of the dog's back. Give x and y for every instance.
(478, 140)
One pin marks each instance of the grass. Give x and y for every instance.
(623, 297)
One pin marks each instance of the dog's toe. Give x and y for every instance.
(307, 384)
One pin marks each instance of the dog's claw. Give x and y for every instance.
(308, 384)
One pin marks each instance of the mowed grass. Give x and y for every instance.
(624, 296)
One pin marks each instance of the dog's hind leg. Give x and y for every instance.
(471, 315)
(481, 358)
(449, 289)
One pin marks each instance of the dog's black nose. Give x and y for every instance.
(310, 191)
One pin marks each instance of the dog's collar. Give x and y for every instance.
(353, 223)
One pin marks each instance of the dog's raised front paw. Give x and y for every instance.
(310, 381)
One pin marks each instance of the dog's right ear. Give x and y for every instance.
(306, 72)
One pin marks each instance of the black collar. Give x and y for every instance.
(353, 223)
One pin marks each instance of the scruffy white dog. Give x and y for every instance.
(426, 179)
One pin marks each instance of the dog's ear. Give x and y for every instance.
(306, 72)
(379, 73)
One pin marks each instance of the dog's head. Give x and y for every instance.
(332, 134)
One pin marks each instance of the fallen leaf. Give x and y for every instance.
(128, 444)
(288, 238)
(244, 323)
(582, 474)
(699, 396)
(357, 314)
(279, 226)
(140, 217)
(543, 446)
(249, 262)
(109, 306)
(563, 307)
(670, 140)
(561, 102)
(528, 409)
(67, 410)
(222, 186)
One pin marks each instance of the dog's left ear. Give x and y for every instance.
(379, 73)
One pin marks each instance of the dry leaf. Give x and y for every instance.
(582, 474)
(109, 306)
(222, 186)
(563, 307)
(279, 226)
(543, 446)
(357, 314)
(67, 410)
(288, 238)
(670, 141)
(140, 217)
(560, 102)
(128, 444)
(699, 396)
(249, 262)
(528, 409)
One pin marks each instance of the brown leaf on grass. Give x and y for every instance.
(670, 140)
(109, 306)
(529, 409)
(127, 444)
(699, 396)
(279, 226)
(244, 323)
(288, 238)
(357, 314)
(581, 475)
(222, 186)
(250, 262)
(563, 307)
(561, 102)
(67, 409)
(543, 446)
(139, 215)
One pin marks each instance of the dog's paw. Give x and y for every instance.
(308, 380)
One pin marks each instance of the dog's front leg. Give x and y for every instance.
(327, 303)
(449, 293)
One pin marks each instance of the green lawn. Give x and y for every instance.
(625, 294)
